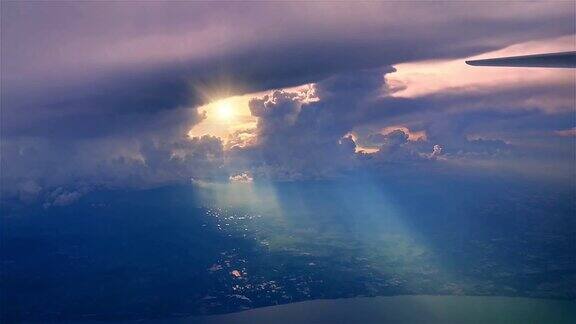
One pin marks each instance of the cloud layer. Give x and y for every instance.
(105, 93)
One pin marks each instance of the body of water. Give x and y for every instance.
(406, 309)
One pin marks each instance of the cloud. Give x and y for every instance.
(395, 146)
(142, 162)
(436, 152)
(27, 190)
(121, 66)
(392, 139)
(416, 79)
(105, 93)
(294, 139)
(61, 197)
(571, 132)
(241, 177)
(355, 125)
(299, 139)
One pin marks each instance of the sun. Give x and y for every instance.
(224, 117)
(225, 111)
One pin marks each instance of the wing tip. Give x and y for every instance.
(545, 60)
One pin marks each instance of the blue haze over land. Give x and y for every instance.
(172, 251)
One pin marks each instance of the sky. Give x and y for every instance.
(144, 94)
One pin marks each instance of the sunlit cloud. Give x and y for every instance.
(567, 132)
(360, 148)
(241, 177)
(224, 117)
(412, 135)
(230, 118)
(365, 147)
(417, 79)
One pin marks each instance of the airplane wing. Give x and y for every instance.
(549, 60)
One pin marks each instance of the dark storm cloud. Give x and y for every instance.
(294, 139)
(298, 139)
(113, 62)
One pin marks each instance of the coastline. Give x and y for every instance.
(402, 309)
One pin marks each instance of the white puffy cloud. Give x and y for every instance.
(241, 177)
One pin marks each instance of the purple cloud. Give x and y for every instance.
(105, 92)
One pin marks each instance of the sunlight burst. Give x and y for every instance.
(225, 111)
